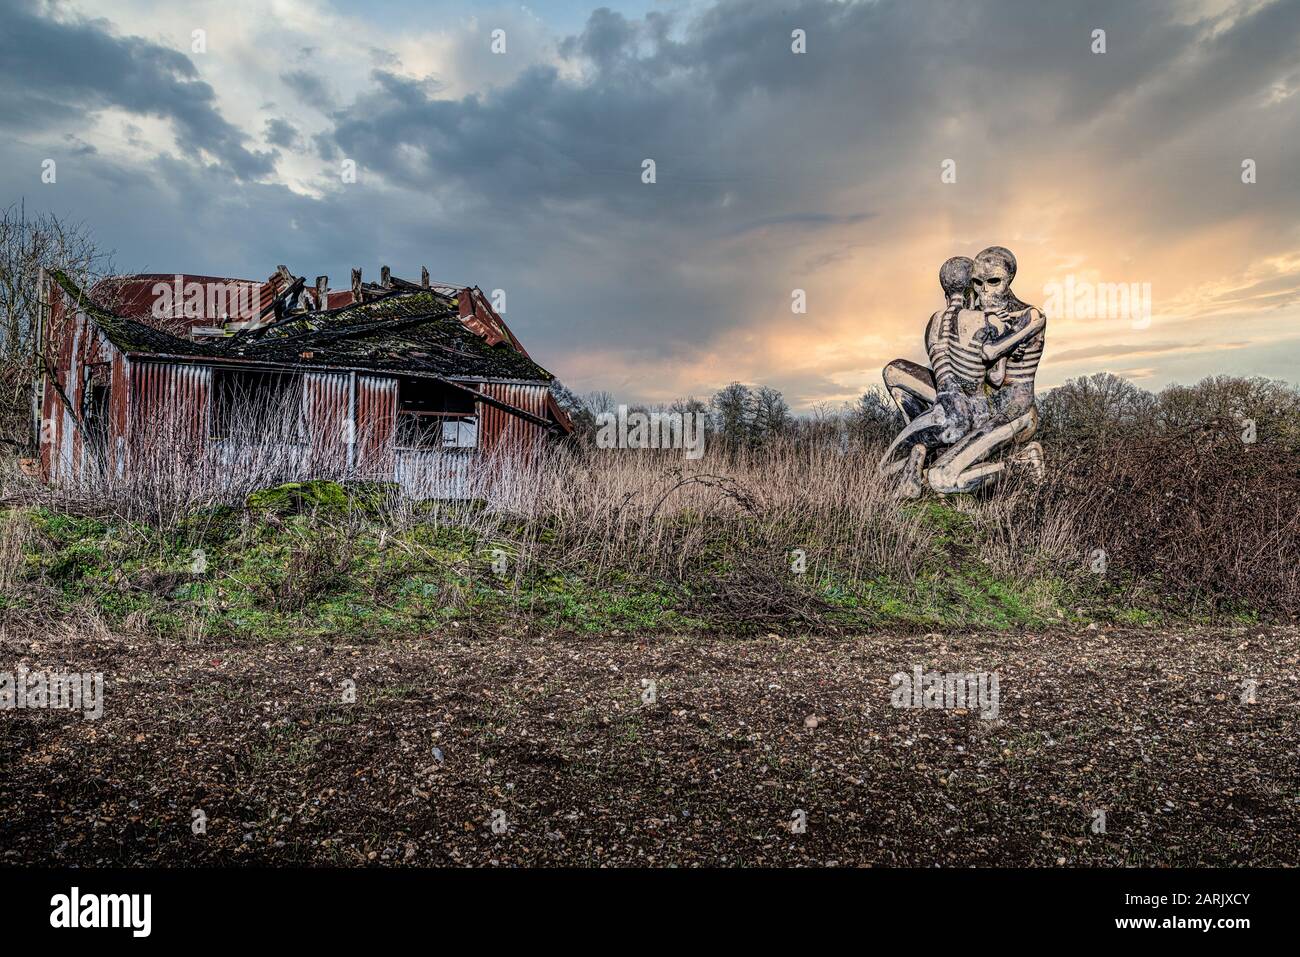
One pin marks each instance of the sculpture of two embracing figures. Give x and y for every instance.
(970, 415)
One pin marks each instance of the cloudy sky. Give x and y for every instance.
(907, 131)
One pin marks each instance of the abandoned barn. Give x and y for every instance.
(393, 379)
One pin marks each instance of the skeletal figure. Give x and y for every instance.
(933, 401)
(913, 387)
(979, 399)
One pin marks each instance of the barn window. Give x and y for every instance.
(432, 415)
(255, 402)
(95, 405)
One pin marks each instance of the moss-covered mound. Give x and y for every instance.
(297, 498)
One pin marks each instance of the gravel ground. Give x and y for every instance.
(556, 750)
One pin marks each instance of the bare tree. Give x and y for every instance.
(28, 245)
(579, 410)
(1088, 407)
(732, 408)
(771, 414)
(875, 417)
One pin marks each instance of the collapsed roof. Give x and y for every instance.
(398, 327)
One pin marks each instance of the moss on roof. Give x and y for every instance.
(404, 331)
(128, 335)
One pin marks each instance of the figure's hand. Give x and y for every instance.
(1020, 330)
(997, 373)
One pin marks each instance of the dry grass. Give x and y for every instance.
(15, 540)
(1196, 517)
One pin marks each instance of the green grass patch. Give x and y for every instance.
(280, 573)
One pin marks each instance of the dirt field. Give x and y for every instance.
(547, 750)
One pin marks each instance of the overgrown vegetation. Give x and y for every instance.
(590, 543)
(1134, 524)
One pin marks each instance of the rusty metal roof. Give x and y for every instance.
(437, 331)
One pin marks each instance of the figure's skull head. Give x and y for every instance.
(954, 275)
(991, 276)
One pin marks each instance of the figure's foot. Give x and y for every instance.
(1030, 457)
(912, 483)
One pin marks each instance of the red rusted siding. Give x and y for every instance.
(177, 303)
(170, 404)
(327, 410)
(376, 422)
(82, 357)
(497, 428)
(120, 411)
(345, 407)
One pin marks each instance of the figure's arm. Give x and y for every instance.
(995, 350)
(998, 372)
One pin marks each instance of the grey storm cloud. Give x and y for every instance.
(754, 143)
(309, 87)
(55, 73)
(727, 112)
(771, 167)
(280, 132)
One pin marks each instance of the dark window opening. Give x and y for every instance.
(433, 415)
(95, 411)
(255, 403)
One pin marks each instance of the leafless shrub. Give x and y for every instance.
(15, 538)
(1195, 513)
(1188, 512)
(316, 564)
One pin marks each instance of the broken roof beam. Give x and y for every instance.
(291, 289)
(290, 342)
(489, 400)
(363, 291)
(396, 282)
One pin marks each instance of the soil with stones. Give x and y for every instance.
(1109, 747)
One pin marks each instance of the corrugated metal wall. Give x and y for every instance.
(327, 410)
(82, 353)
(120, 411)
(155, 403)
(169, 404)
(376, 421)
(342, 408)
(499, 429)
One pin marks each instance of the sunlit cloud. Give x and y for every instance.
(777, 171)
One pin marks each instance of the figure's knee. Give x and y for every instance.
(895, 376)
(909, 375)
(910, 385)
